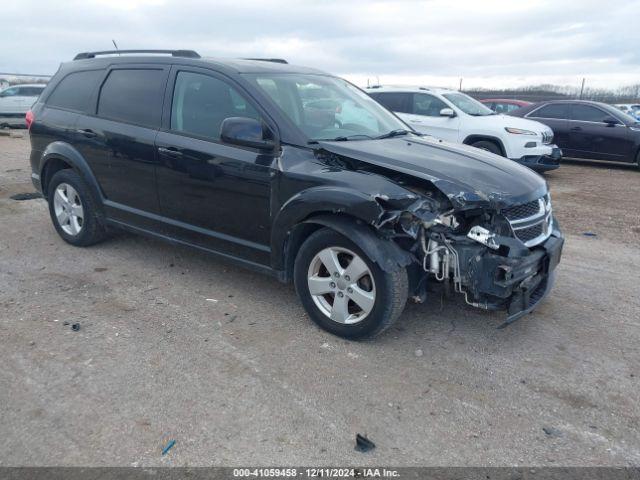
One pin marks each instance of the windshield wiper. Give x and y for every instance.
(343, 138)
(394, 133)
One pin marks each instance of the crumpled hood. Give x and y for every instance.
(466, 175)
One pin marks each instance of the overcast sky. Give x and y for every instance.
(488, 43)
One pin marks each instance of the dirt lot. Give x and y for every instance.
(177, 345)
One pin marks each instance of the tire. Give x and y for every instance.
(72, 192)
(488, 146)
(638, 160)
(383, 294)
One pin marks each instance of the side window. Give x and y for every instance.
(554, 110)
(9, 92)
(427, 105)
(395, 101)
(201, 103)
(587, 113)
(133, 96)
(30, 91)
(74, 91)
(511, 107)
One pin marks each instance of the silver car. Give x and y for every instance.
(16, 101)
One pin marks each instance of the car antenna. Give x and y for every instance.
(115, 45)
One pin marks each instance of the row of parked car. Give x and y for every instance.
(536, 135)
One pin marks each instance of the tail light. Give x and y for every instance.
(29, 118)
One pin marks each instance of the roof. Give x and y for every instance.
(407, 89)
(224, 64)
(41, 85)
(507, 100)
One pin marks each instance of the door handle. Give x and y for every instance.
(87, 132)
(169, 152)
(576, 129)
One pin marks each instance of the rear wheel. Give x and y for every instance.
(488, 146)
(73, 210)
(344, 291)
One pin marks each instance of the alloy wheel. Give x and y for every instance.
(341, 285)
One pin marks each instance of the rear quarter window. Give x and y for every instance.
(133, 96)
(554, 110)
(75, 90)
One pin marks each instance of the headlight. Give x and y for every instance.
(519, 131)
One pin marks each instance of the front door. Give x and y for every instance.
(594, 138)
(425, 117)
(212, 194)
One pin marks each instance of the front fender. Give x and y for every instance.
(67, 153)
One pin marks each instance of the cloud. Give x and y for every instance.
(489, 43)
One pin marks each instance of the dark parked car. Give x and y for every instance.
(220, 156)
(504, 105)
(589, 130)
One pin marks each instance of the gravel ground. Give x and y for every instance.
(177, 345)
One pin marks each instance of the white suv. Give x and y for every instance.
(15, 102)
(456, 117)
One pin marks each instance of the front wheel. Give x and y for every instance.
(344, 291)
(488, 146)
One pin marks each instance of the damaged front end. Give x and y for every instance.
(486, 233)
(497, 258)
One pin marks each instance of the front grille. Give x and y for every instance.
(529, 233)
(522, 211)
(531, 222)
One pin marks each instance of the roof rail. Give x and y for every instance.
(173, 53)
(274, 60)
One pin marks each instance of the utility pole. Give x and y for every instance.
(460, 87)
(582, 89)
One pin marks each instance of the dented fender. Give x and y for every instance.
(385, 253)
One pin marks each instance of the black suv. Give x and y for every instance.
(292, 172)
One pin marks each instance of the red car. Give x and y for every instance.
(504, 105)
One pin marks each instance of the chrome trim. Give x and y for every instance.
(544, 217)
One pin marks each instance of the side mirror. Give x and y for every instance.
(447, 112)
(611, 122)
(246, 132)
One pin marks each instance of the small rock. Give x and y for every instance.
(419, 352)
(100, 269)
(552, 432)
(363, 444)
(32, 343)
(75, 327)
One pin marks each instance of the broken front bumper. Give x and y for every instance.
(542, 163)
(516, 283)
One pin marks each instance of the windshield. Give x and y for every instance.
(328, 108)
(468, 105)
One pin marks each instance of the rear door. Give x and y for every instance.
(213, 194)
(594, 138)
(555, 115)
(10, 101)
(118, 138)
(397, 102)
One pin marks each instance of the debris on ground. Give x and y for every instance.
(419, 352)
(212, 300)
(363, 444)
(552, 432)
(25, 196)
(75, 327)
(169, 446)
(589, 234)
(100, 269)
